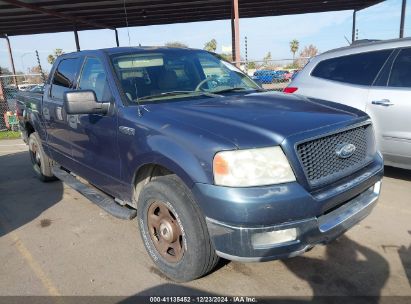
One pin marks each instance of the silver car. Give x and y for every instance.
(374, 77)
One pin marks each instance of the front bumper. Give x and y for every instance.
(235, 215)
(235, 243)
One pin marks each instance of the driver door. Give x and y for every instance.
(94, 136)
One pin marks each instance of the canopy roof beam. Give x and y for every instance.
(54, 13)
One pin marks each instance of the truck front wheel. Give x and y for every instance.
(174, 231)
(42, 164)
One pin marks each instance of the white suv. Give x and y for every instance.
(374, 77)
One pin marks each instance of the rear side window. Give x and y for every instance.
(64, 77)
(401, 70)
(358, 69)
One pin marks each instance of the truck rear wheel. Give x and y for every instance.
(174, 231)
(42, 164)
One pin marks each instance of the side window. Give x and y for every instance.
(401, 70)
(64, 77)
(93, 77)
(358, 69)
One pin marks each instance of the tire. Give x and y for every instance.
(198, 257)
(42, 164)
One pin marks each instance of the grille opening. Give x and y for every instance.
(319, 159)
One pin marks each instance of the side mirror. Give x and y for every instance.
(84, 102)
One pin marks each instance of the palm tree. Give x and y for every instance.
(294, 45)
(52, 57)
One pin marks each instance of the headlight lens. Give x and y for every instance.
(252, 167)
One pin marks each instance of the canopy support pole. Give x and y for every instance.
(117, 42)
(77, 40)
(235, 32)
(404, 4)
(13, 68)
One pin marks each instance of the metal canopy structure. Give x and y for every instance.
(26, 17)
(18, 17)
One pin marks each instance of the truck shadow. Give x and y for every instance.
(22, 196)
(405, 257)
(397, 173)
(348, 269)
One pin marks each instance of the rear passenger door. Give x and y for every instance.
(94, 136)
(55, 118)
(345, 79)
(389, 105)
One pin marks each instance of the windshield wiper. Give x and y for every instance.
(237, 89)
(176, 93)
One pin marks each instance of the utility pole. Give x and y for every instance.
(246, 54)
(40, 68)
(354, 21)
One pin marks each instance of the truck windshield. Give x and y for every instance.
(174, 73)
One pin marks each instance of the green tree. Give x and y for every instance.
(211, 45)
(227, 56)
(52, 57)
(294, 45)
(176, 44)
(251, 65)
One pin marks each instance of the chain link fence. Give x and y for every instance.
(10, 85)
(273, 75)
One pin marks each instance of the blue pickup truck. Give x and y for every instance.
(209, 164)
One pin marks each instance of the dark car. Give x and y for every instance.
(214, 166)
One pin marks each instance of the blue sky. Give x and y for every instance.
(268, 34)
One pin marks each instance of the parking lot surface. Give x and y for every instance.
(53, 241)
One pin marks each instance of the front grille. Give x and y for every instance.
(320, 161)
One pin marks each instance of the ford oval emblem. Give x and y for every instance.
(345, 150)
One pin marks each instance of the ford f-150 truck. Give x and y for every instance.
(210, 164)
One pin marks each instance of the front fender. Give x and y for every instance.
(189, 165)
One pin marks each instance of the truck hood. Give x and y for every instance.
(257, 119)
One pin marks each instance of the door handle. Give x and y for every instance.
(382, 102)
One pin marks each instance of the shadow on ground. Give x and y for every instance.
(348, 269)
(397, 173)
(22, 196)
(405, 257)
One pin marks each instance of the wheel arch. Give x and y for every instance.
(151, 170)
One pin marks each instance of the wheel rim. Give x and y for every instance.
(35, 155)
(165, 232)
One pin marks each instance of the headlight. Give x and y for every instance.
(252, 167)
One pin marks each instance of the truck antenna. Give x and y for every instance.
(140, 114)
(125, 15)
